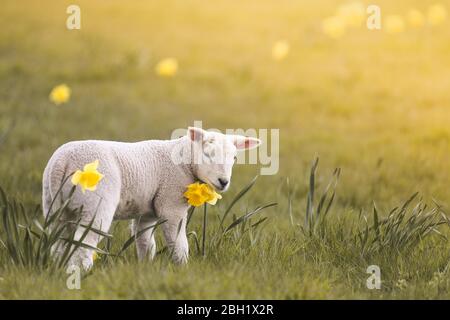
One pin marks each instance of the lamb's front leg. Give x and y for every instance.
(174, 230)
(170, 205)
(145, 242)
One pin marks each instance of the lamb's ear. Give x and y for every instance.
(196, 134)
(244, 143)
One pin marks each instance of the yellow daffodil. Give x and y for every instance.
(334, 27)
(60, 94)
(280, 50)
(199, 193)
(437, 14)
(88, 178)
(167, 67)
(416, 18)
(95, 256)
(353, 14)
(394, 24)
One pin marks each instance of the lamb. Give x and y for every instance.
(143, 181)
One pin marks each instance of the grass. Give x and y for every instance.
(372, 104)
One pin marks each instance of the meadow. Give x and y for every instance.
(371, 103)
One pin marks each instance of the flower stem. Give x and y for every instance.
(204, 230)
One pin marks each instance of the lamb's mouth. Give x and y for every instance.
(216, 187)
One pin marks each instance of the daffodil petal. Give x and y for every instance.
(76, 177)
(91, 166)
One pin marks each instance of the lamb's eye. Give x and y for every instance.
(209, 154)
(235, 158)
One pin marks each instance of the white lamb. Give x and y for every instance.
(144, 181)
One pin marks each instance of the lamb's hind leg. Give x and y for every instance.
(145, 242)
(102, 213)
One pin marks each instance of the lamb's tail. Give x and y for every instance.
(53, 177)
(46, 194)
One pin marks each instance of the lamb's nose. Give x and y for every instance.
(223, 182)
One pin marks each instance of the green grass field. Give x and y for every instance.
(375, 105)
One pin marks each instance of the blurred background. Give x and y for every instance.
(373, 102)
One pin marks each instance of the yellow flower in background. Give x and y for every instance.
(394, 24)
(353, 14)
(167, 67)
(415, 18)
(334, 27)
(60, 94)
(88, 178)
(199, 193)
(437, 14)
(280, 50)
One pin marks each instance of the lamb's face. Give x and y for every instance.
(214, 155)
(215, 158)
